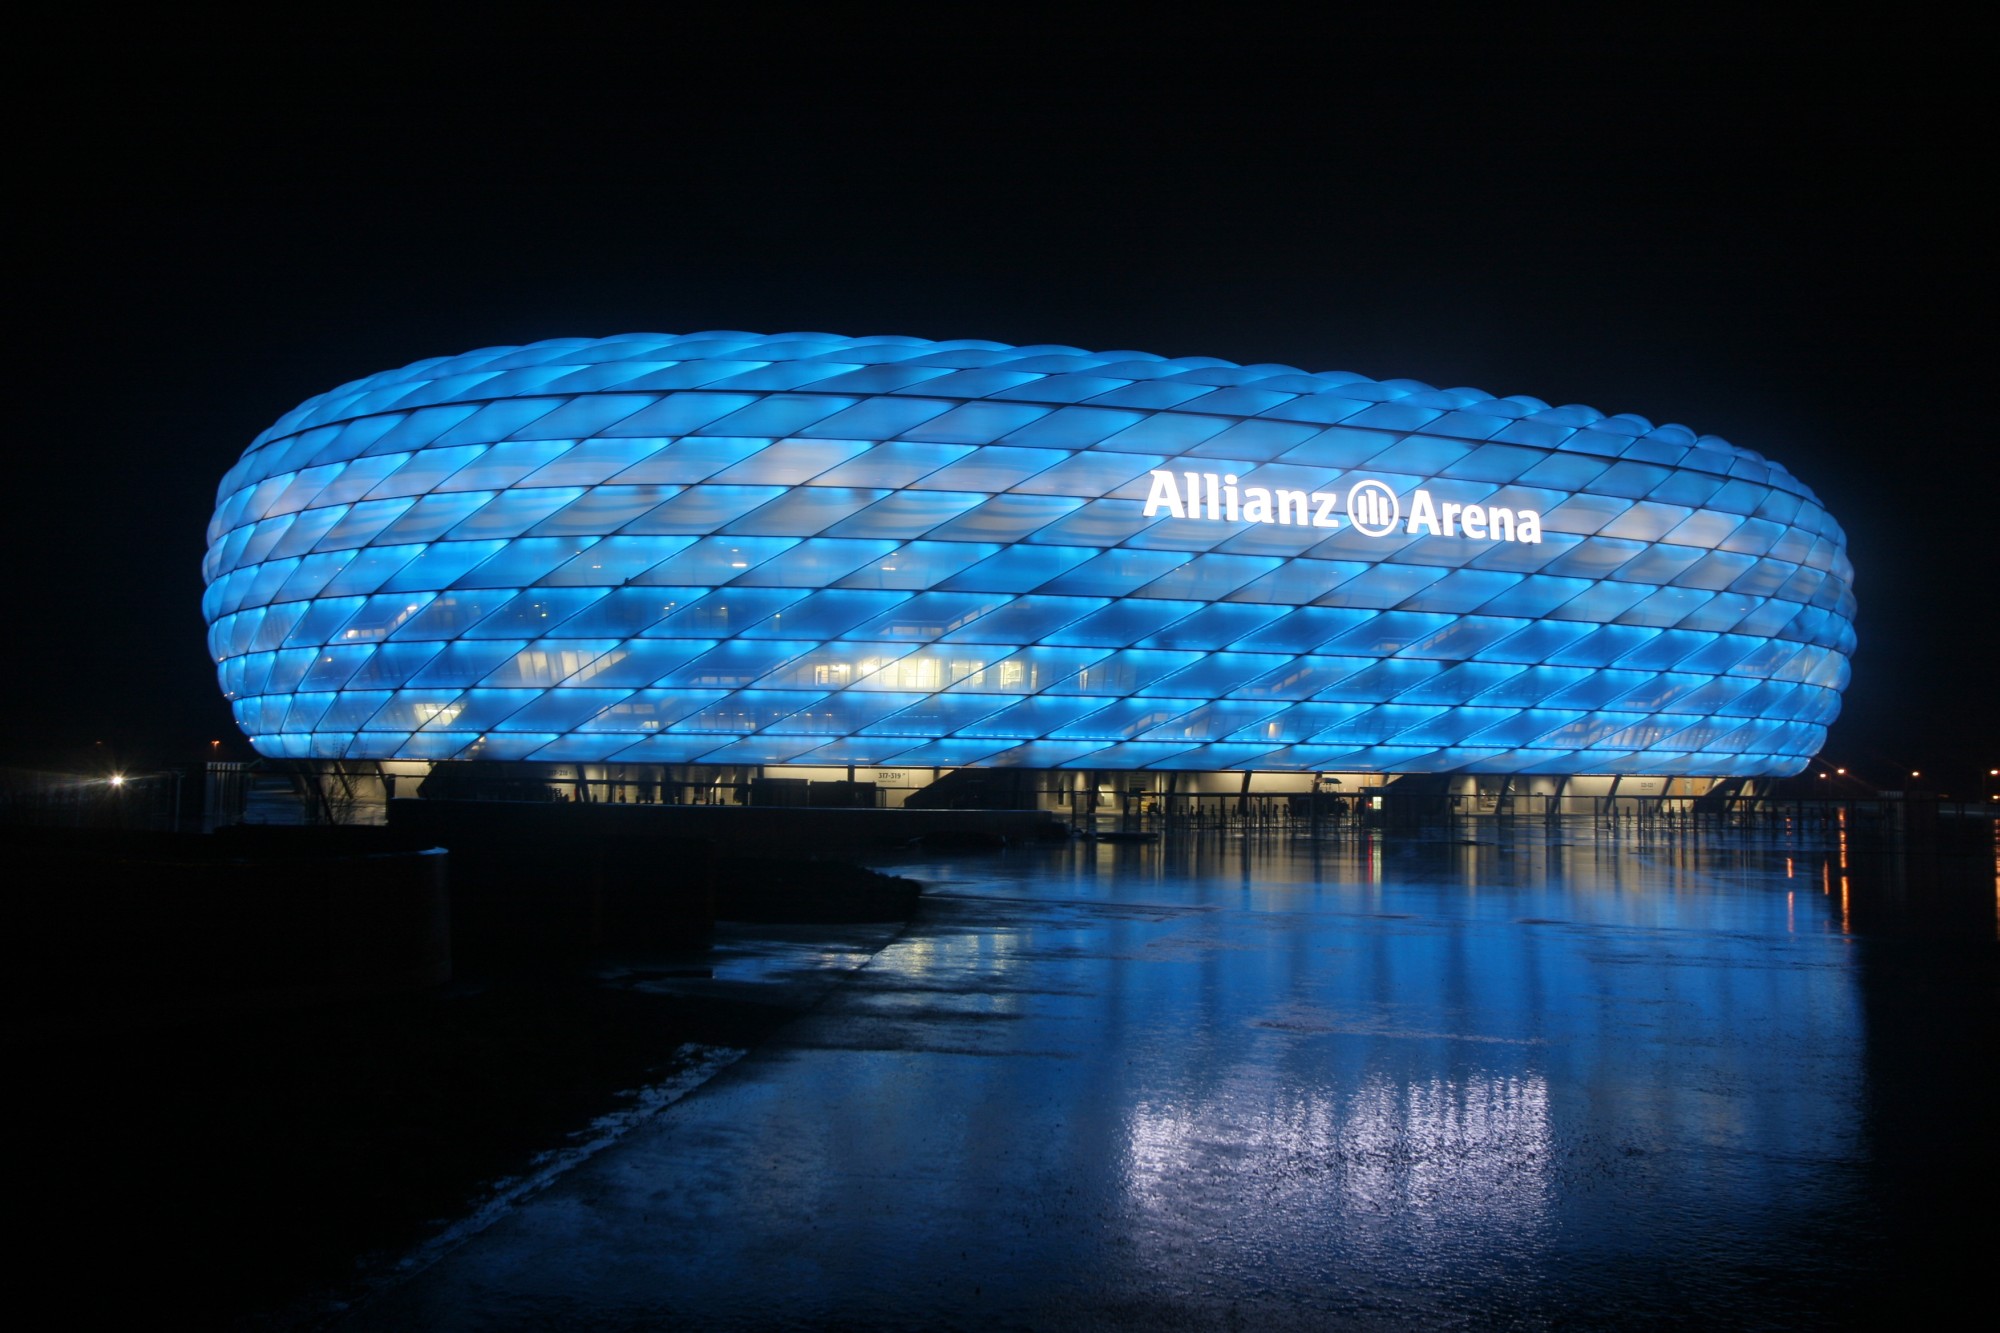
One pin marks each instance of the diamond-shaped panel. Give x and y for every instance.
(736, 547)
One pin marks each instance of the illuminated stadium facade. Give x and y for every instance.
(805, 553)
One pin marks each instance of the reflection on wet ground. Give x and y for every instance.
(1492, 1078)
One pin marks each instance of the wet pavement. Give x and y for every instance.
(1481, 1079)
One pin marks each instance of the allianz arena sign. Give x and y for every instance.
(735, 548)
(1372, 505)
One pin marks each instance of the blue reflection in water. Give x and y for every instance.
(1419, 1068)
(1402, 1082)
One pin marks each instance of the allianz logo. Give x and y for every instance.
(1371, 507)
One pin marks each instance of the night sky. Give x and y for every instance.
(1791, 262)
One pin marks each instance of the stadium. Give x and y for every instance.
(696, 567)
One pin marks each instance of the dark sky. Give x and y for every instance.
(1784, 248)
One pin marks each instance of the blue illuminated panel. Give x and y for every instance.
(802, 548)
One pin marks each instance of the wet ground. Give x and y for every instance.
(1485, 1078)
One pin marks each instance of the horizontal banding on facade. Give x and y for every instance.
(738, 548)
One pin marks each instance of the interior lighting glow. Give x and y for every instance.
(1278, 570)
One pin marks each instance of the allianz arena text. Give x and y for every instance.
(805, 550)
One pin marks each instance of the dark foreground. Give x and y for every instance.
(1469, 1080)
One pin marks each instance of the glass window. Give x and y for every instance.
(806, 511)
(637, 662)
(935, 715)
(1600, 602)
(421, 427)
(1209, 577)
(382, 615)
(590, 414)
(306, 711)
(348, 711)
(360, 524)
(1463, 590)
(482, 710)
(918, 564)
(994, 468)
(842, 714)
(1025, 620)
(1667, 606)
(649, 712)
(452, 613)
(602, 509)
(1118, 624)
(930, 615)
(680, 414)
(716, 560)
(1034, 717)
(1019, 568)
(1303, 678)
(614, 561)
(511, 513)
(1220, 625)
(332, 666)
(503, 465)
(594, 461)
(522, 561)
(370, 568)
(306, 530)
(275, 626)
(320, 621)
(1028, 671)
(465, 663)
(779, 415)
(500, 418)
(975, 423)
(391, 665)
(736, 663)
(1254, 441)
(533, 613)
(816, 562)
(699, 613)
(438, 564)
(825, 615)
(1602, 646)
(1216, 674)
(508, 745)
(548, 662)
(790, 462)
(1213, 720)
(1298, 722)
(1071, 427)
(1125, 718)
(1126, 671)
(627, 611)
(834, 666)
(1115, 572)
(905, 514)
(1536, 642)
(422, 471)
(561, 710)
(432, 516)
(877, 419)
(1006, 518)
(1594, 558)
(892, 465)
(1090, 476)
